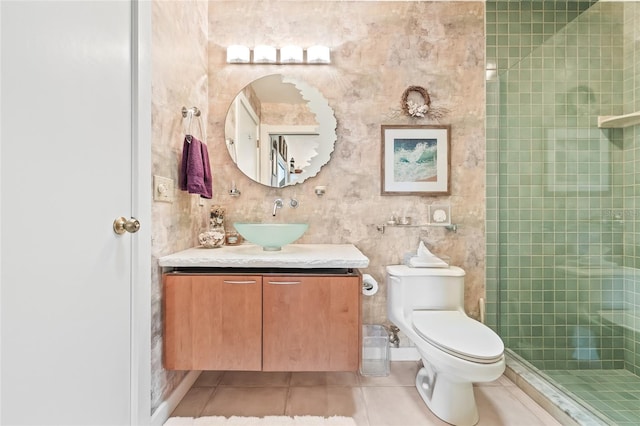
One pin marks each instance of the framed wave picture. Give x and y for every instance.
(416, 160)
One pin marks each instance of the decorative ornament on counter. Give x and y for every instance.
(216, 235)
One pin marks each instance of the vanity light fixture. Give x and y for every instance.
(290, 54)
(318, 55)
(238, 54)
(263, 54)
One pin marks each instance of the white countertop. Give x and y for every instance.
(252, 256)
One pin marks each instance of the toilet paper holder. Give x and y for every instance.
(369, 285)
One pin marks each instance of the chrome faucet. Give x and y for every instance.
(277, 204)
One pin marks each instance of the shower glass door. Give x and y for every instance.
(563, 195)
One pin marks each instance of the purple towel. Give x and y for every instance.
(195, 175)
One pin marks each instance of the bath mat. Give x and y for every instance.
(261, 421)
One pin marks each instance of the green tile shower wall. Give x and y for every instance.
(630, 183)
(513, 29)
(554, 198)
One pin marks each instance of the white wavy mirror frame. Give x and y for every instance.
(327, 124)
(309, 141)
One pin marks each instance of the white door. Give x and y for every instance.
(247, 139)
(69, 127)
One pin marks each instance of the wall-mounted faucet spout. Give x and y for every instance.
(277, 204)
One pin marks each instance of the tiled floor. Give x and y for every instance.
(371, 401)
(615, 393)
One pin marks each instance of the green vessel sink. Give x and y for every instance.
(271, 236)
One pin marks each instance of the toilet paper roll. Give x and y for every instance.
(369, 285)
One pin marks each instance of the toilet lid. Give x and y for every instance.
(459, 335)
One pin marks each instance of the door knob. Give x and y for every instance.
(122, 225)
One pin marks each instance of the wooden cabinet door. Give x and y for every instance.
(311, 323)
(212, 322)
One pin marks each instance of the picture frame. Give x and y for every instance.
(416, 159)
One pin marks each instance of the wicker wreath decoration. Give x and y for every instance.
(420, 109)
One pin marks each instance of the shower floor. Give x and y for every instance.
(614, 393)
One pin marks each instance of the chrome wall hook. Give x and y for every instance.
(194, 110)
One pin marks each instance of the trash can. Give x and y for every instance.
(375, 351)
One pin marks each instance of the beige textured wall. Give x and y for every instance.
(179, 78)
(378, 50)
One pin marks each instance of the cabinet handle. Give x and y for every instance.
(240, 282)
(285, 282)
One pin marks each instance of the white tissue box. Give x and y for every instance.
(413, 261)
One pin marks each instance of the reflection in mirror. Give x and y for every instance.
(280, 131)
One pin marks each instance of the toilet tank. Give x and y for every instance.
(426, 288)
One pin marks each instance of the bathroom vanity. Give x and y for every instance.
(242, 308)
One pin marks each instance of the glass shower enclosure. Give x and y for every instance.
(563, 195)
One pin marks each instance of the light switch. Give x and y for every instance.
(163, 189)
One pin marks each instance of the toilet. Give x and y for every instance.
(427, 305)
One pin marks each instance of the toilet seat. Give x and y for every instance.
(458, 335)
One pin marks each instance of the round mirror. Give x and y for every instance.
(280, 131)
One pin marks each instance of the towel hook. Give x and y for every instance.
(189, 114)
(193, 110)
